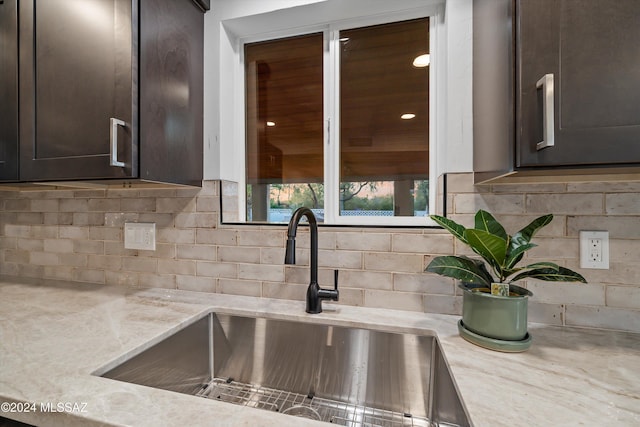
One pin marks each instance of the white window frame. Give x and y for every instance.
(331, 101)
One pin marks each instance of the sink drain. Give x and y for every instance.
(303, 411)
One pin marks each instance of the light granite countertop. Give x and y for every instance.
(53, 335)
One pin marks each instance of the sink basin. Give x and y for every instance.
(343, 375)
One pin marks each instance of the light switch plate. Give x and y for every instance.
(140, 235)
(594, 249)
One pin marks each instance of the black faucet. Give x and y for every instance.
(315, 294)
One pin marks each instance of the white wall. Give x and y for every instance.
(231, 19)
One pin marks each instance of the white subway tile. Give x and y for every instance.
(210, 188)
(73, 260)
(58, 272)
(30, 244)
(196, 252)
(121, 278)
(236, 254)
(272, 273)
(208, 204)
(603, 317)
(272, 255)
(365, 279)
(175, 204)
(340, 259)
(393, 300)
(393, 262)
(504, 203)
(217, 269)
(172, 266)
(287, 291)
(443, 304)
(364, 241)
(88, 246)
(93, 218)
(252, 288)
(106, 262)
(567, 293)
(141, 265)
(138, 205)
(59, 245)
(423, 243)
(623, 296)
(427, 283)
(261, 238)
(576, 204)
(74, 205)
(43, 258)
(460, 183)
(193, 283)
(70, 232)
(216, 236)
(88, 275)
(118, 219)
(622, 204)
(44, 205)
(194, 220)
(619, 227)
(166, 281)
(550, 314)
(103, 205)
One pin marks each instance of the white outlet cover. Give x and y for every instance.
(140, 235)
(585, 249)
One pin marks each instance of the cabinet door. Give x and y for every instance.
(78, 72)
(9, 90)
(592, 48)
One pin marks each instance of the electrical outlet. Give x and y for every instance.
(140, 235)
(594, 249)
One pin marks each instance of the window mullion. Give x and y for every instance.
(332, 133)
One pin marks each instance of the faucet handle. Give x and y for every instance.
(335, 280)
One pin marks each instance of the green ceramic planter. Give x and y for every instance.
(497, 317)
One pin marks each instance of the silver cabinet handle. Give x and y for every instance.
(113, 135)
(546, 82)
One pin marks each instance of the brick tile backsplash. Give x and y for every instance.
(78, 235)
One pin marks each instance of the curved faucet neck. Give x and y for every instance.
(313, 224)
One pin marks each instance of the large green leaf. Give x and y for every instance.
(512, 271)
(451, 226)
(482, 267)
(486, 222)
(562, 274)
(490, 247)
(460, 268)
(523, 238)
(515, 255)
(525, 235)
(544, 264)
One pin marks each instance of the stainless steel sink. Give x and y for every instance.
(346, 376)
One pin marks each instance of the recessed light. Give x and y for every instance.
(407, 116)
(422, 61)
(271, 124)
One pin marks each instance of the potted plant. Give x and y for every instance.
(494, 310)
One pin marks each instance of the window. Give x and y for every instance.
(338, 120)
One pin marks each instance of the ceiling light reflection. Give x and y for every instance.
(407, 116)
(422, 61)
(271, 124)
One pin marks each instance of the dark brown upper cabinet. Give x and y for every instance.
(9, 90)
(556, 87)
(111, 89)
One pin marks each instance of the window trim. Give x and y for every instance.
(331, 102)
